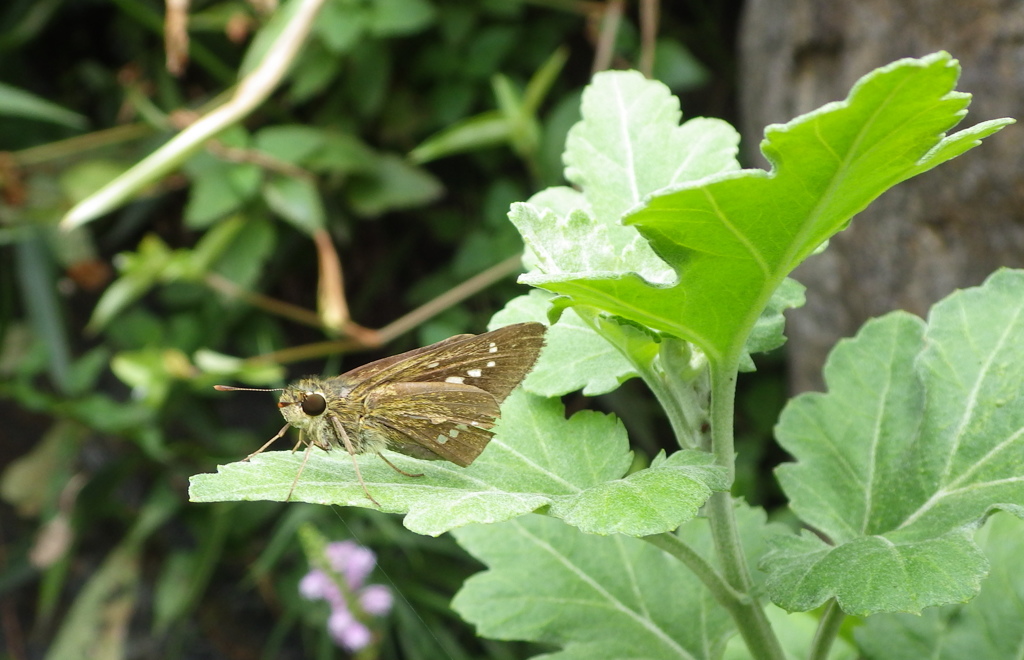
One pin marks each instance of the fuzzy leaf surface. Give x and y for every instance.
(921, 434)
(537, 458)
(598, 597)
(732, 237)
(990, 626)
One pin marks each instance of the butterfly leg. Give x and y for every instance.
(269, 442)
(396, 468)
(302, 467)
(352, 452)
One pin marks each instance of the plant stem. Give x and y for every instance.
(750, 619)
(828, 629)
(720, 590)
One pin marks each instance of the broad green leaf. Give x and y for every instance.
(731, 239)
(574, 357)
(612, 597)
(536, 459)
(628, 145)
(920, 434)
(990, 626)
(15, 102)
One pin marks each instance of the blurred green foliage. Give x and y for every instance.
(403, 132)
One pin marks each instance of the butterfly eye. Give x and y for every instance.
(314, 404)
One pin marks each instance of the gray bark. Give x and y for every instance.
(946, 229)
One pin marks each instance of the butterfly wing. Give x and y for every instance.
(432, 421)
(495, 362)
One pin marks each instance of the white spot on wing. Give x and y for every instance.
(441, 439)
(458, 380)
(475, 373)
(493, 348)
(433, 365)
(491, 363)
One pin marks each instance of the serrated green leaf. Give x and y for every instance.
(920, 434)
(987, 627)
(655, 498)
(628, 145)
(733, 238)
(598, 597)
(537, 458)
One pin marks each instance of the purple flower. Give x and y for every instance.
(350, 564)
(348, 632)
(376, 599)
(351, 560)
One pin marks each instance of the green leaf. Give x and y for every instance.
(398, 17)
(487, 129)
(732, 238)
(218, 188)
(16, 102)
(919, 436)
(140, 271)
(987, 627)
(574, 356)
(341, 25)
(296, 200)
(292, 143)
(537, 458)
(628, 145)
(389, 182)
(612, 597)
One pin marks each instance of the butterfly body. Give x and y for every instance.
(439, 402)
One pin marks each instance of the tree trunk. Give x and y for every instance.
(945, 229)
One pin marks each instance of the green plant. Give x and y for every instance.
(669, 262)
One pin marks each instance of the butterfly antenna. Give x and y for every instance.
(232, 388)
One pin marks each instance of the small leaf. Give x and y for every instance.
(488, 129)
(297, 201)
(16, 102)
(398, 17)
(292, 143)
(389, 183)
